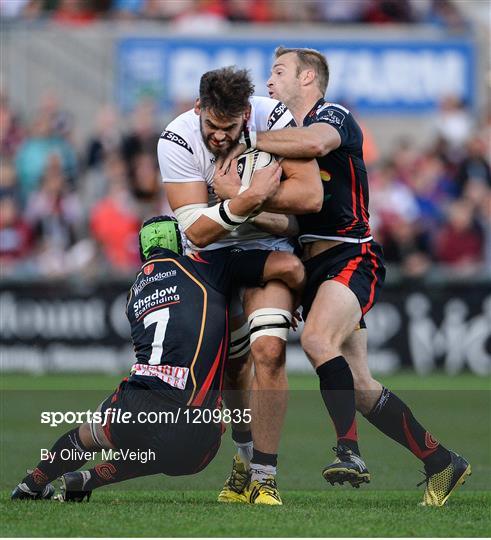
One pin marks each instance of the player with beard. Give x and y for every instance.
(345, 272)
(187, 152)
(177, 310)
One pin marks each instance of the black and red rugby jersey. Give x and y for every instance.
(177, 309)
(344, 212)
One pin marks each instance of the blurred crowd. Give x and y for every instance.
(431, 208)
(69, 210)
(211, 15)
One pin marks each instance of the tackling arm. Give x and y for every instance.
(203, 225)
(313, 141)
(301, 192)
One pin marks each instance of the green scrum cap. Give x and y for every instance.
(159, 232)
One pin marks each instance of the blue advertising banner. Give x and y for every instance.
(370, 76)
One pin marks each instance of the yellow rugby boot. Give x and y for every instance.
(440, 486)
(263, 492)
(233, 490)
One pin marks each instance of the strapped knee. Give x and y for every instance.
(272, 322)
(239, 342)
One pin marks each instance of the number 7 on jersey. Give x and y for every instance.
(160, 318)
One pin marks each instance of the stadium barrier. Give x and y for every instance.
(80, 327)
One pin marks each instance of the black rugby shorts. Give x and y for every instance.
(360, 267)
(181, 447)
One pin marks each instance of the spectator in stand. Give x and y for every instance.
(395, 214)
(75, 12)
(454, 125)
(145, 180)
(25, 9)
(250, 11)
(388, 11)
(405, 159)
(484, 220)
(147, 188)
(33, 154)
(390, 198)
(11, 132)
(459, 242)
(15, 237)
(432, 188)
(143, 135)
(8, 181)
(408, 245)
(340, 11)
(474, 168)
(127, 9)
(55, 216)
(114, 222)
(445, 13)
(203, 17)
(106, 139)
(156, 9)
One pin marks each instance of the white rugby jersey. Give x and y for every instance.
(183, 156)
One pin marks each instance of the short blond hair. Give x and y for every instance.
(309, 58)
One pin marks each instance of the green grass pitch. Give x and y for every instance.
(456, 409)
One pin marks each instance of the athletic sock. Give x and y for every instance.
(243, 443)
(394, 418)
(338, 393)
(110, 472)
(261, 472)
(263, 465)
(68, 453)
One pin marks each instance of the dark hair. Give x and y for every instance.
(309, 58)
(226, 91)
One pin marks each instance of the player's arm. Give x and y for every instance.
(312, 141)
(277, 224)
(187, 193)
(309, 142)
(299, 193)
(204, 225)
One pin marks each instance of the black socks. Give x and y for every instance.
(337, 390)
(394, 418)
(67, 454)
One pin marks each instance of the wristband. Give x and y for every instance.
(242, 189)
(228, 217)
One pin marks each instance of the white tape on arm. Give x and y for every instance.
(187, 215)
(219, 213)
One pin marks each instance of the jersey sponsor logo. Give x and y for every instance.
(148, 269)
(140, 285)
(333, 117)
(176, 376)
(338, 106)
(430, 441)
(325, 176)
(175, 138)
(157, 298)
(276, 114)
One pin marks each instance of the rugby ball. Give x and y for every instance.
(251, 161)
